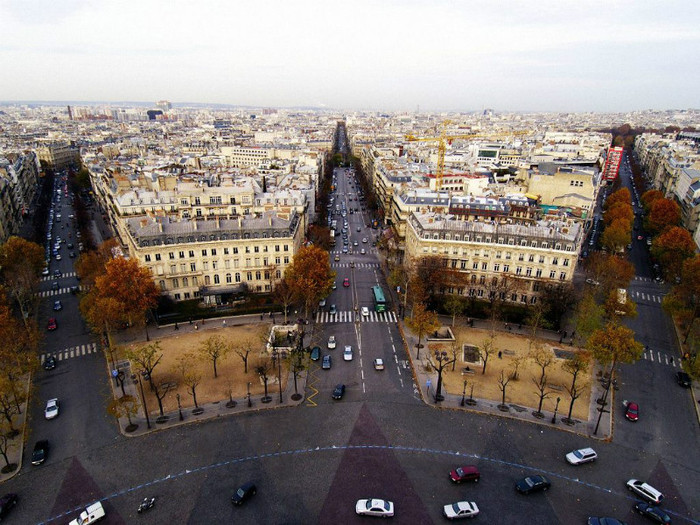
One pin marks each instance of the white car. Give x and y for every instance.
(364, 239)
(347, 353)
(51, 410)
(461, 509)
(322, 302)
(379, 364)
(645, 490)
(374, 507)
(331, 342)
(582, 455)
(365, 311)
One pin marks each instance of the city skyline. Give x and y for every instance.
(394, 56)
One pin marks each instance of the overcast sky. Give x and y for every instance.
(540, 55)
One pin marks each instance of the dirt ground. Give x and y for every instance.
(522, 391)
(230, 369)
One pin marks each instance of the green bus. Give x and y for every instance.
(379, 301)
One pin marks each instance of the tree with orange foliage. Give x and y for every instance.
(620, 196)
(648, 198)
(92, 264)
(672, 249)
(663, 214)
(21, 263)
(616, 236)
(619, 212)
(310, 275)
(612, 272)
(684, 298)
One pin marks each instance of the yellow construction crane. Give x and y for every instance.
(443, 140)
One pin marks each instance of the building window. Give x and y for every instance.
(238, 277)
(528, 272)
(555, 260)
(176, 284)
(496, 267)
(514, 297)
(475, 265)
(531, 258)
(207, 280)
(177, 296)
(538, 272)
(484, 266)
(187, 295)
(249, 276)
(565, 262)
(541, 259)
(181, 255)
(286, 259)
(213, 251)
(157, 257)
(147, 258)
(552, 274)
(162, 285)
(173, 269)
(204, 253)
(506, 267)
(521, 256)
(235, 250)
(463, 264)
(562, 276)
(205, 266)
(216, 278)
(518, 270)
(171, 255)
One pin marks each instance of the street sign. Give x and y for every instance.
(115, 373)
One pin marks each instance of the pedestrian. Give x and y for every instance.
(176, 327)
(190, 320)
(224, 323)
(564, 333)
(671, 359)
(196, 326)
(500, 354)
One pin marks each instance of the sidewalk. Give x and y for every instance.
(426, 382)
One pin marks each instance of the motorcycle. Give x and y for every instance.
(146, 504)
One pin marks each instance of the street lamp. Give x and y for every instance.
(556, 407)
(250, 404)
(464, 392)
(442, 359)
(179, 406)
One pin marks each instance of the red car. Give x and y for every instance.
(632, 411)
(467, 473)
(52, 324)
(346, 282)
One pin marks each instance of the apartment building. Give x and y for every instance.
(19, 180)
(59, 155)
(511, 259)
(214, 260)
(567, 187)
(242, 157)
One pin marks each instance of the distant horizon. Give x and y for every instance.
(393, 56)
(152, 105)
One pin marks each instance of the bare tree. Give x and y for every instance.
(190, 376)
(263, 369)
(285, 294)
(542, 393)
(503, 381)
(575, 366)
(5, 440)
(214, 348)
(516, 361)
(161, 390)
(146, 359)
(125, 406)
(543, 358)
(486, 349)
(243, 349)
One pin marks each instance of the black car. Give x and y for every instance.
(683, 379)
(50, 363)
(315, 353)
(244, 493)
(54, 285)
(604, 521)
(532, 484)
(339, 391)
(652, 512)
(41, 451)
(6, 503)
(326, 363)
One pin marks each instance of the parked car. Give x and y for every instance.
(322, 303)
(244, 493)
(331, 342)
(604, 521)
(40, 452)
(57, 306)
(646, 491)
(460, 509)
(339, 391)
(347, 353)
(532, 484)
(6, 503)
(466, 473)
(379, 364)
(582, 455)
(51, 410)
(374, 507)
(315, 353)
(632, 411)
(326, 363)
(683, 379)
(652, 512)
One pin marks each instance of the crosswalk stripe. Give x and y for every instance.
(349, 316)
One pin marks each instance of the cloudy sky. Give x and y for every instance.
(541, 55)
